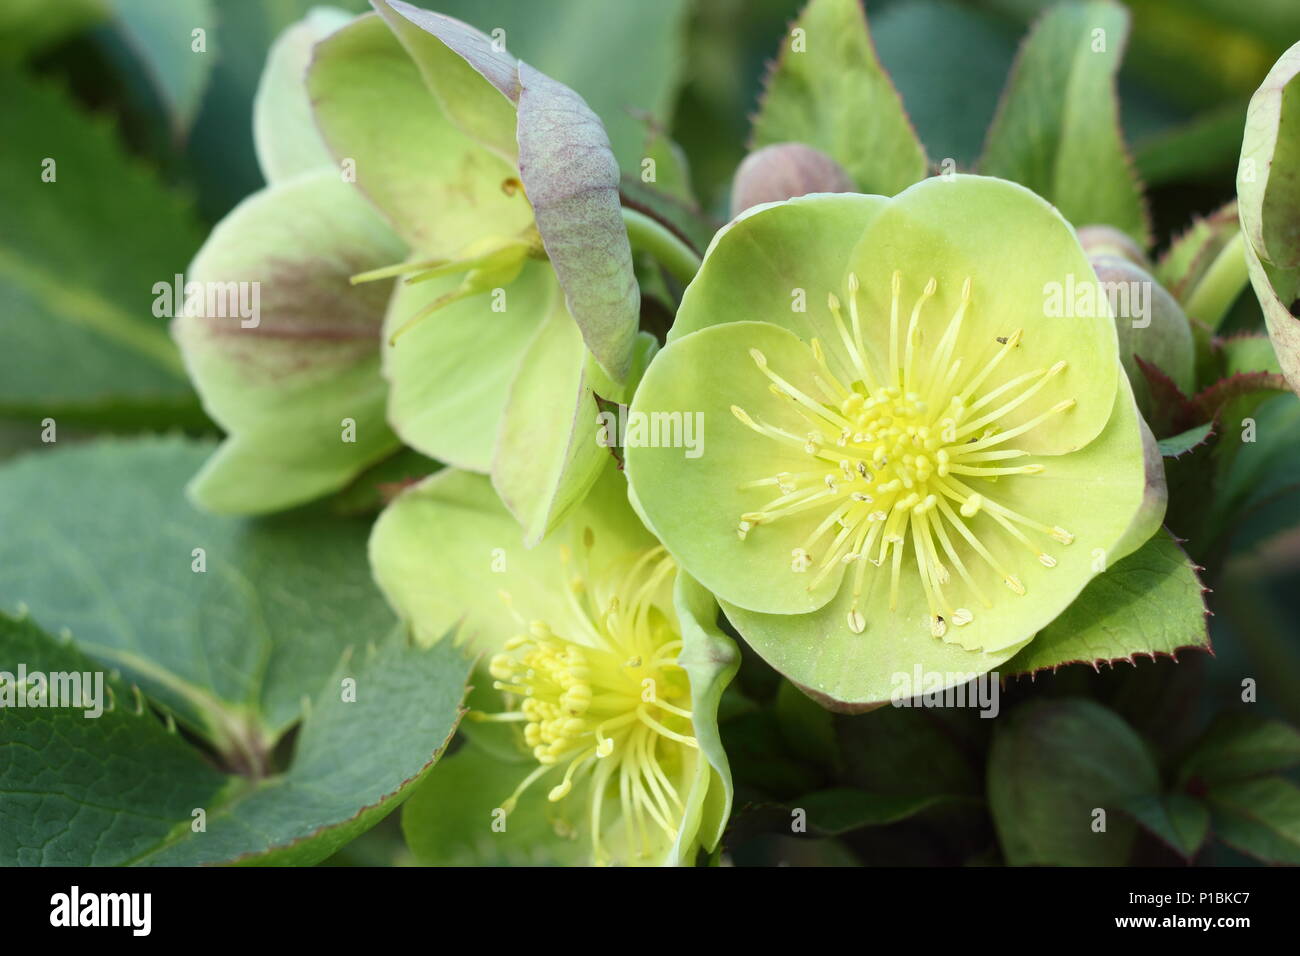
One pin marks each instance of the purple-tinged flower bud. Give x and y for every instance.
(1109, 241)
(783, 171)
(1149, 323)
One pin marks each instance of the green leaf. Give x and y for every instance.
(829, 90)
(355, 761)
(100, 540)
(912, 752)
(807, 727)
(1254, 476)
(1258, 817)
(1241, 746)
(1184, 442)
(162, 38)
(83, 791)
(1193, 253)
(1052, 766)
(672, 171)
(122, 788)
(1151, 602)
(841, 810)
(1057, 130)
(1201, 149)
(949, 63)
(79, 338)
(1247, 353)
(1181, 821)
(27, 27)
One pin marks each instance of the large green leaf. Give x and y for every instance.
(949, 63)
(123, 788)
(1057, 130)
(100, 540)
(829, 90)
(1052, 766)
(88, 791)
(1151, 603)
(79, 337)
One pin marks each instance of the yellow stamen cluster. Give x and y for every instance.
(891, 453)
(609, 703)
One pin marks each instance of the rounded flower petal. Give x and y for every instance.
(451, 372)
(440, 189)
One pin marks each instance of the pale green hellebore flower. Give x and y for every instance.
(906, 460)
(605, 666)
(519, 302)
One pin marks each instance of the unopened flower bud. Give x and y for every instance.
(1109, 241)
(783, 171)
(1150, 324)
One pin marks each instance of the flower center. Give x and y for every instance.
(610, 704)
(893, 455)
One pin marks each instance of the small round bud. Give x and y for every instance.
(783, 171)
(1109, 241)
(1149, 323)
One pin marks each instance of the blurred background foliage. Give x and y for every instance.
(154, 146)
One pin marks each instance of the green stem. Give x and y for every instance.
(1223, 281)
(652, 237)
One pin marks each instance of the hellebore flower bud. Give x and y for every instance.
(1109, 241)
(1150, 323)
(784, 171)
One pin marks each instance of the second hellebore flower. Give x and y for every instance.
(908, 461)
(406, 145)
(603, 659)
